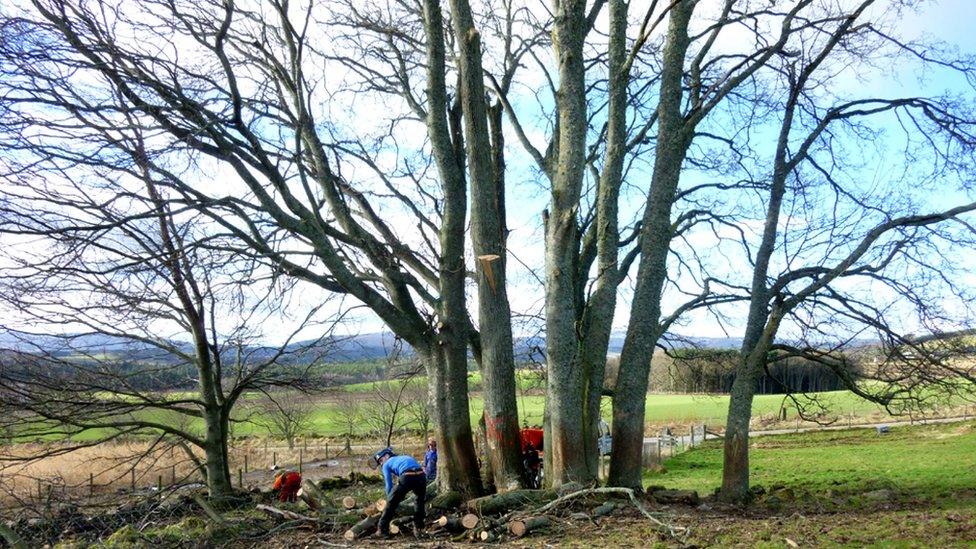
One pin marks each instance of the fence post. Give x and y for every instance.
(245, 463)
(240, 477)
(159, 483)
(91, 484)
(274, 458)
(133, 478)
(173, 474)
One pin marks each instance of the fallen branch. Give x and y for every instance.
(282, 513)
(666, 528)
(504, 502)
(209, 510)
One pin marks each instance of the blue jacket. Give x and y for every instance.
(396, 466)
(430, 464)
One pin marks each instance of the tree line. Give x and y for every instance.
(208, 165)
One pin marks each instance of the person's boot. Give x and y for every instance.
(380, 534)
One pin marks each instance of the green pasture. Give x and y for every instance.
(923, 462)
(661, 409)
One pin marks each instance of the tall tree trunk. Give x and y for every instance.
(446, 359)
(488, 239)
(215, 453)
(448, 384)
(735, 469)
(597, 320)
(564, 389)
(643, 330)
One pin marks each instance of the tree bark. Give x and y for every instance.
(564, 389)
(447, 360)
(448, 383)
(597, 320)
(215, 450)
(488, 239)
(643, 330)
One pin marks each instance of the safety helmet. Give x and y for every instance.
(385, 452)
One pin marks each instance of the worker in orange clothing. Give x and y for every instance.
(287, 484)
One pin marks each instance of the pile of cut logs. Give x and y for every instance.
(512, 514)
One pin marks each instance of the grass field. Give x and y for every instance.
(662, 409)
(327, 420)
(915, 487)
(925, 462)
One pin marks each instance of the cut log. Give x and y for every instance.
(283, 514)
(449, 523)
(380, 504)
(371, 511)
(349, 502)
(310, 501)
(671, 497)
(603, 510)
(313, 493)
(470, 520)
(569, 488)
(394, 529)
(498, 504)
(362, 528)
(520, 528)
(447, 500)
(488, 536)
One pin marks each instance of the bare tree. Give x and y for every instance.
(286, 414)
(417, 407)
(252, 103)
(349, 410)
(115, 306)
(838, 259)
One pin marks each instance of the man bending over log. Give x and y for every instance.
(410, 478)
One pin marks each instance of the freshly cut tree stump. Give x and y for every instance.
(349, 502)
(470, 520)
(362, 528)
(520, 528)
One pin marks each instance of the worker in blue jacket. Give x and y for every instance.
(410, 478)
